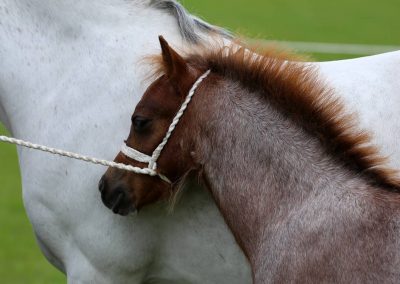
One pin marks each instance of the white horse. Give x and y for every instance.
(70, 73)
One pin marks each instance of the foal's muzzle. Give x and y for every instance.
(116, 197)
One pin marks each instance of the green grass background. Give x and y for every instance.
(340, 21)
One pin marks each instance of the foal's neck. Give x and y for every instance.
(264, 171)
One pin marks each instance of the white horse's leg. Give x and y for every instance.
(81, 271)
(3, 117)
(52, 258)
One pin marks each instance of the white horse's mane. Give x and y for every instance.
(191, 27)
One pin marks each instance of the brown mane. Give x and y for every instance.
(297, 91)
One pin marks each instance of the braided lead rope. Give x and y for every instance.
(145, 171)
(157, 151)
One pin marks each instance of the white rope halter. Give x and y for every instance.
(129, 152)
(152, 160)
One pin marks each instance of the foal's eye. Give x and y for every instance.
(140, 123)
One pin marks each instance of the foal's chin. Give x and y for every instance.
(129, 210)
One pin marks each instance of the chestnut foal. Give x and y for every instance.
(303, 191)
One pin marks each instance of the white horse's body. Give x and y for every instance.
(70, 77)
(370, 86)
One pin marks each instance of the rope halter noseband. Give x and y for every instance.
(152, 160)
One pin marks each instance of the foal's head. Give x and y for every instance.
(123, 191)
(245, 95)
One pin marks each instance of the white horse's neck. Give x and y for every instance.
(74, 48)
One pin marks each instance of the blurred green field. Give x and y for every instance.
(341, 21)
(351, 21)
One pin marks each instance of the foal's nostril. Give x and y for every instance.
(102, 184)
(118, 201)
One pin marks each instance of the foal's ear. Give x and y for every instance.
(176, 66)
